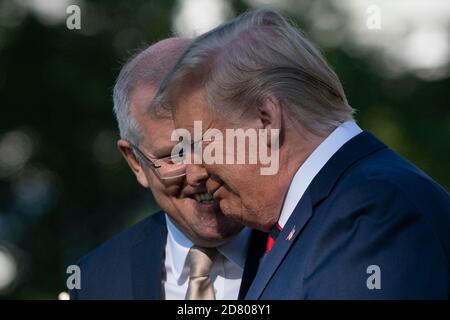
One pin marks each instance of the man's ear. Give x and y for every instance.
(135, 166)
(271, 117)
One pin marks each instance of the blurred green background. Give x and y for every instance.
(64, 188)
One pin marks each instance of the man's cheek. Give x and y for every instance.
(232, 186)
(171, 190)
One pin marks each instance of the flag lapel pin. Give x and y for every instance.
(291, 234)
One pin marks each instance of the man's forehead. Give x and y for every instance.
(140, 97)
(157, 129)
(190, 107)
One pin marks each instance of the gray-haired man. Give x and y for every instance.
(349, 218)
(190, 250)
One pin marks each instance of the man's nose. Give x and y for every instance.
(196, 174)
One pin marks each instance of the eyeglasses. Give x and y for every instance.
(165, 168)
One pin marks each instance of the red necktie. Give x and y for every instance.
(271, 238)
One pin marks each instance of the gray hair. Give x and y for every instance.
(254, 57)
(148, 67)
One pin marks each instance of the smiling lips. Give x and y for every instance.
(204, 197)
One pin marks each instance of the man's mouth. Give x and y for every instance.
(204, 198)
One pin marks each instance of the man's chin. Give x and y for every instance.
(214, 237)
(211, 226)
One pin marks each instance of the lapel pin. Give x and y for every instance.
(291, 234)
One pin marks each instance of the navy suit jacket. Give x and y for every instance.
(131, 265)
(366, 207)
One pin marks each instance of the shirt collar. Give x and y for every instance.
(234, 250)
(178, 246)
(313, 164)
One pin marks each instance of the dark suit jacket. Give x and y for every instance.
(367, 206)
(131, 265)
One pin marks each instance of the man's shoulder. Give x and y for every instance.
(115, 250)
(126, 238)
(382, 211)
(387, 168)
(106, 271)
(386, 188)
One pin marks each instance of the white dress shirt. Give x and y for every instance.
(313, 164)
(226, 273)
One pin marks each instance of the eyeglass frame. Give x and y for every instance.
(151, 163)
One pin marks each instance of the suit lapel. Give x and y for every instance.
(147, 258)
(254, 253)
(285, 239)
(354, 150)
